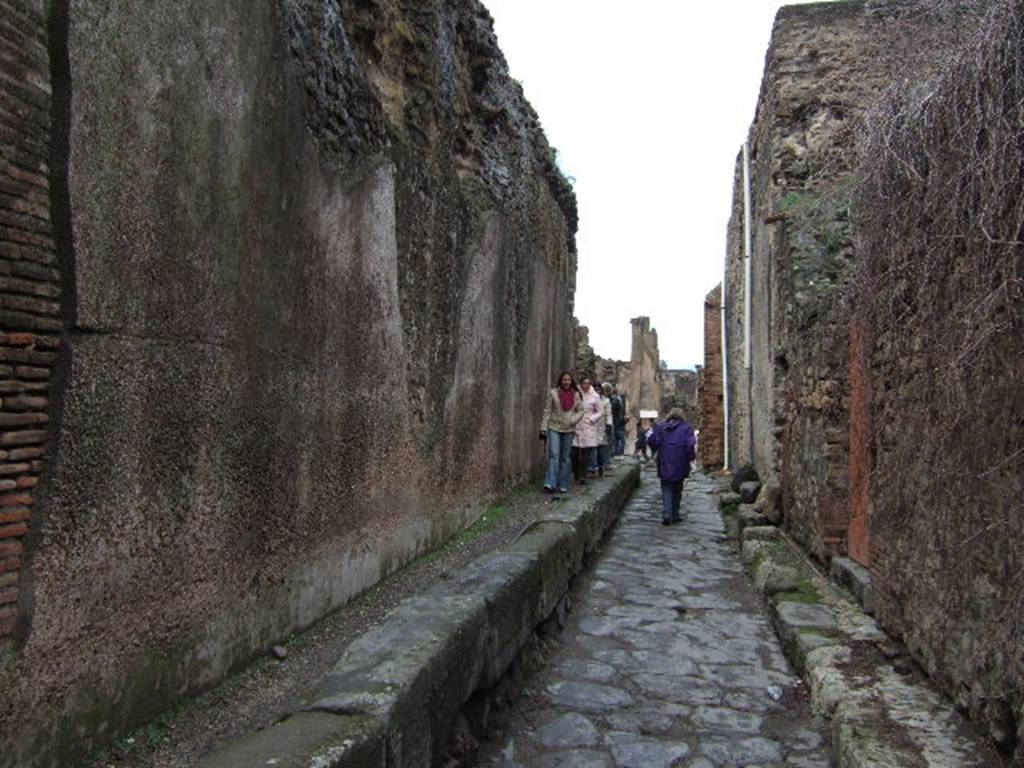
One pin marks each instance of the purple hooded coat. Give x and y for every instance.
(674, 442)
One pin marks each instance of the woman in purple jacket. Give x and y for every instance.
(674, 441)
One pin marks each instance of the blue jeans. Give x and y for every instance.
(671, 495)
(620, 440)
(559, 474)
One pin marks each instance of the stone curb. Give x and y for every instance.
(395, 694)
(880, 718)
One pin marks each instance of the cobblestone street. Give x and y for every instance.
(667, 659)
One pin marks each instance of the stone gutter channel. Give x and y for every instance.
(883, 712)
(396, 694)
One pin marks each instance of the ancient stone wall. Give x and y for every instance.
(30, 291)
(790, 409)
(319, 269)
(939, 357)
(884, 388)
(710, 399)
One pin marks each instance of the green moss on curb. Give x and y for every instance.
(807, 593)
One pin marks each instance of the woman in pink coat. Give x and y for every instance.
(589, 429)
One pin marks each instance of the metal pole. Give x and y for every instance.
(746, 256)
(725, 371)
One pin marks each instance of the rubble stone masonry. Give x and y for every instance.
(790, 411)
(884, 388)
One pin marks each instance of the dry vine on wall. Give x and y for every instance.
(940, 222)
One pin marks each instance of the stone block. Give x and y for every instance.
(805, 641)
(772, 577)
(769, 503)
(762, 533)
(744, 474)
(729, 498)
(305, 739)
(751, 549)
(791, 618)
(430, 643)
(749, 491)
(507, 583)
(748, 518)
(856, 579)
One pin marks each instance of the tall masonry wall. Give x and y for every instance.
(318, 269)
(939, 350)
(789, 409)
(884, 388)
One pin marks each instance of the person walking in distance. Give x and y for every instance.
(640, 444)
(674, 443)
(563, 408)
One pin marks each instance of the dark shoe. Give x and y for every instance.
(548, 489)
(666, 522)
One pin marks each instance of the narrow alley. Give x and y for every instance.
(668, 659)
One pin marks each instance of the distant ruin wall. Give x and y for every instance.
(710, 400)
(321, 269)
(939, 307)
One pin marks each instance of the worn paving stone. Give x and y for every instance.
(582, 669)
(632, 751)
(580, 758)
(587, 697)
(569, 730)
(667, 659)
(722, 719)
(649, 721)
(756, 749)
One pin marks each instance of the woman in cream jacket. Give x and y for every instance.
(563, 408)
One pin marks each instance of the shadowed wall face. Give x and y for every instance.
(322, 267)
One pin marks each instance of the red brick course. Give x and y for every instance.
(712, 408)
(30, 285)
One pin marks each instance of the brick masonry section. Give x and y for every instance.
(30, 291)
(712, 411)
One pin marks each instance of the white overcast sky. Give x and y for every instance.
(648, 103)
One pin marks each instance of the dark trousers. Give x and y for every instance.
(671, 495)
(584, 456)
(620, 439)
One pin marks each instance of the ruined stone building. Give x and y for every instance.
(643, 380)
(261, 267)
(873, 324)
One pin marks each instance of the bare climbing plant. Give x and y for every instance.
(940, 281)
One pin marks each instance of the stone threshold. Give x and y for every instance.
(883, 711)
(396, 693)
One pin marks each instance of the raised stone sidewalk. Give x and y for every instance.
(882, 711)
(396, 694)
(668, 659)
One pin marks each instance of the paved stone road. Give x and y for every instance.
(668, 660)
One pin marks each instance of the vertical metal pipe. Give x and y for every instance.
(725, 370)
(747, 299)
